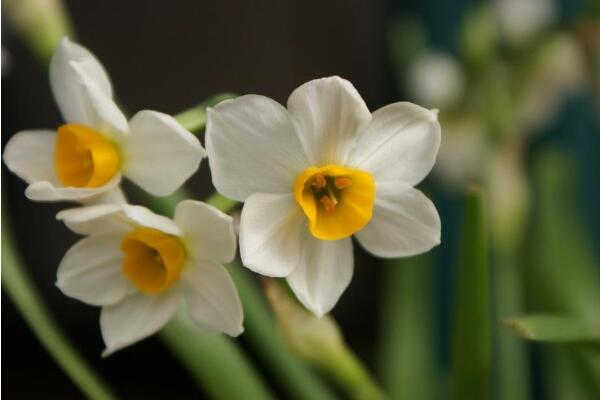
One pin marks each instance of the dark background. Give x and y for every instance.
(168, 57)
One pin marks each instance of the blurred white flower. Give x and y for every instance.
(315, 174)
(138, 265)
(461, 153)
(436, 80)
(87, 156)
(558, 70)
(520, 20)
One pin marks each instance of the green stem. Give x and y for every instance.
(408, 342)
(194, 119)
(471, 333)
(351, 375)
(28, 302)
(215, 361)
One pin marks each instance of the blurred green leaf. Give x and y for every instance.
(563, 275)
(214, 361)
(194, 119)
(555, 329)
(471, 325)
(23, 293)
(407, 349)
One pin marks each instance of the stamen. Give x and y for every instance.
(342, 182)
(331, 195)
(328, 204)
(319, 182)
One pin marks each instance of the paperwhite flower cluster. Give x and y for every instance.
(311, 176)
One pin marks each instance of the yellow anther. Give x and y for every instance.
(342, 182)
(319, 182)
(327, 203)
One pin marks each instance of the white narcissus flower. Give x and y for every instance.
(86, 157)
(138, 265)
(319, 172)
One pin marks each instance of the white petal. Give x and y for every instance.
(404, 223)
(400, 143)
(113, 196)
(143, 217)
(252, 147)
(270, 234)
(115, 218)
(65, 85)
(135, 318)
(323, 273)
(30, 155)
(53, 191)
(159, 154)
(327, 114)
(102, 218)
(91, 271)
(207, 232)
(101, 112)
(211, 298)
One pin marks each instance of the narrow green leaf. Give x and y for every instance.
(30, 305)
(214, 361)
(408, 342)
(555, 329)
(471, 326)
(562, 275)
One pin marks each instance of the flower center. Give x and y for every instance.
(337, 200)
(84, 158)
(153, 259)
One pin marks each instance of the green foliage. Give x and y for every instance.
(471, 325)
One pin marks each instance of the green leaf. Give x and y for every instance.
(562, 275)
(555, 329)
(194, 118)
(471, 325)
(23, 293)
(408, 342)
(215, 361)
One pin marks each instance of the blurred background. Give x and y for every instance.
(517, 83)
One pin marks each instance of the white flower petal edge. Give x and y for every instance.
(135, 318)
(400, 144)
(252, 147)
(271, 228)
(115, 217)
(101, 111)
(91, 272)
(67, 90)
(159, 154)
(211, 298)
(207, 232)
(30, 155)
(323, 273)
(327, 114)
(47, 191)
(404, 223)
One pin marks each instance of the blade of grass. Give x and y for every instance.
(555, 329)
(28, 302)
(408, 342)
(471, 330)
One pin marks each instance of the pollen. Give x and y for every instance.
(336, 200)
(153, 260)
(84, 158)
